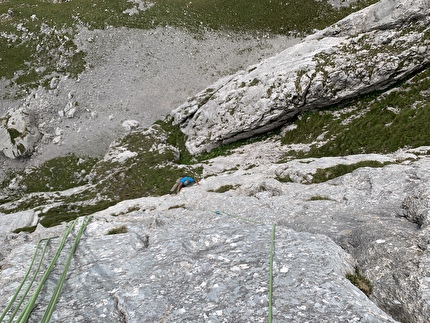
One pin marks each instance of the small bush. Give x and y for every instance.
(119, 230)
(325, 174)
(284, 179)
(361, 282)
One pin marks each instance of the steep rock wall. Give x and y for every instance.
(367, 51)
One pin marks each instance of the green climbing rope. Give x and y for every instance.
(9, 305)
(23, 318)
(54, 298)
(272, 247)
(25, 279)
(22, 283)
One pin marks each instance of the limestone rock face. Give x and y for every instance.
(367, 51)
(197, 268)
(203, 256)
(18, 134)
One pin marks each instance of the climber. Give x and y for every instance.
(182, 182)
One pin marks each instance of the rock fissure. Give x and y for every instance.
(122, 312)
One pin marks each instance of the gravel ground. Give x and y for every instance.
(135, 75)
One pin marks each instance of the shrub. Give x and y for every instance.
(361, 282)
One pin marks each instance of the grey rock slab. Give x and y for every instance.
(11, 222)
(325, 284)
(416, 207)
(202, 269)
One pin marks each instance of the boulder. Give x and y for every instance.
(11, 222)
(18, 133)
(367, 51)
(129, 125)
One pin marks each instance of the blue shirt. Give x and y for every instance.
(187, 180)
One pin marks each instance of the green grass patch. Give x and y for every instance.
(18, 202)
(119, 230)
(310, 125)
(57, 174)
(361, 282)
(325, 174)
(13, 134)
(227, 148)
(151, 171)
(68, 212)
(5, 199)
(176, 138)
(382, 122)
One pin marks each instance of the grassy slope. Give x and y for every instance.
(378, 123)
